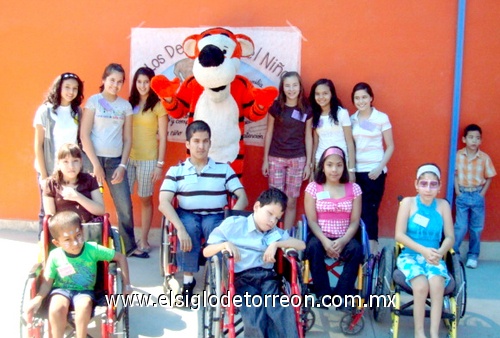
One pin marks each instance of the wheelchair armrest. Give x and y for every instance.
(291, 252)
(35, 270)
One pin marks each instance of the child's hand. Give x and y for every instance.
(69, 194)
(265, 168)
(33, 306)
(118, 175)
(374, 173)
(185, 240)
(99, 175)
(270, 253)
(328, 245)
(307, 172)
(232, 250)
(338, 246)
(127, 289)
(432, 256)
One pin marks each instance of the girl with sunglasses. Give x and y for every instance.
(56, 122)
(421, 222)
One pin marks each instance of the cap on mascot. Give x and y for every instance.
(215, 93)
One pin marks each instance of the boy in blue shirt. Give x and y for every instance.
(70, 274)
(253, 242)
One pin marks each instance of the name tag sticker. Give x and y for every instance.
(273, 237)
(66, 270)
(323, 195)
(421, 220)
(190, 179)
(367, 125)
(297, 115)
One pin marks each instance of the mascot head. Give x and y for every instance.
(216, 53)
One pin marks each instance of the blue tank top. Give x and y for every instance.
(425, 226)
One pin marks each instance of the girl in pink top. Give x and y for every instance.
(333, 208)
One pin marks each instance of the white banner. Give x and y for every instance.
(277, 49)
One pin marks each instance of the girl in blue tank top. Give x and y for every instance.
(421, 222)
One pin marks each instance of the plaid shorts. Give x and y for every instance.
(142, 171)
(286, 174)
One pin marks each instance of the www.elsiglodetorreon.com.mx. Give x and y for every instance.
(205, 299)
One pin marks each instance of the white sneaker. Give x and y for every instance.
(471, 263)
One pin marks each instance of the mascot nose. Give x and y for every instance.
(211, 56)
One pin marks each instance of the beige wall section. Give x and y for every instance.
(405, 50)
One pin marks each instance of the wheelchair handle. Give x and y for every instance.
(226, 254)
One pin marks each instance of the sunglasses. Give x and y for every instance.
(69, 76)
(431, 184)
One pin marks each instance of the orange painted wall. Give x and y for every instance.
(405, 50)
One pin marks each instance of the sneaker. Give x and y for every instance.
(471, 263)
(187, 292)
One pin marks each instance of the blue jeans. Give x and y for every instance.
(123, 203)
(264, 321)
(198, 227)
(469, 216)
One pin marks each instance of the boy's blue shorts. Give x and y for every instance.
(73, 295)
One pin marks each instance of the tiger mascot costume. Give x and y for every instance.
(215, 93)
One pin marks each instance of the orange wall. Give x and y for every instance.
(405, 50)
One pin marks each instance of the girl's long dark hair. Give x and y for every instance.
(135, 97)
(335, 102)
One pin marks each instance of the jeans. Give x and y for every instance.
(352, 256)
(373, 191)
(197, 226)
(123, 203)
(469, 216)
(264, 321)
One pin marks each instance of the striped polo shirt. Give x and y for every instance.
(204, 193)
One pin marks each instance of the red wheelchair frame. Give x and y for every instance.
(114, 319)
(223, 321)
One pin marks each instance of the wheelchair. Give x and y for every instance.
(168, 253)
(351, 323)
(113, 318)
(391, 283)
(224, 320)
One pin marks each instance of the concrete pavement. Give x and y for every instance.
(18, 250)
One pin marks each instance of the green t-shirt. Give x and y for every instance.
(76, 273)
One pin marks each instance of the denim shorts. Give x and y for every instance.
(74, 295)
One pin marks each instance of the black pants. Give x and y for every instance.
(373, 191)
(352, 256)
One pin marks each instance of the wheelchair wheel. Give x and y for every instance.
(164, 247)
(460, 292)
(383, 281)
(210, 318)
(34, 326)
(120, 318)
(308, 319)
(349, 327)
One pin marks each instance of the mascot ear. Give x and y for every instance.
(190, 46)
(246, 43)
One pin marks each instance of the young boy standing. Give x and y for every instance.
(473, 173)
(70, 274)
(253, 242)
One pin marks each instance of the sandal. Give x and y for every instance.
(142, 254)
(144, 248)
